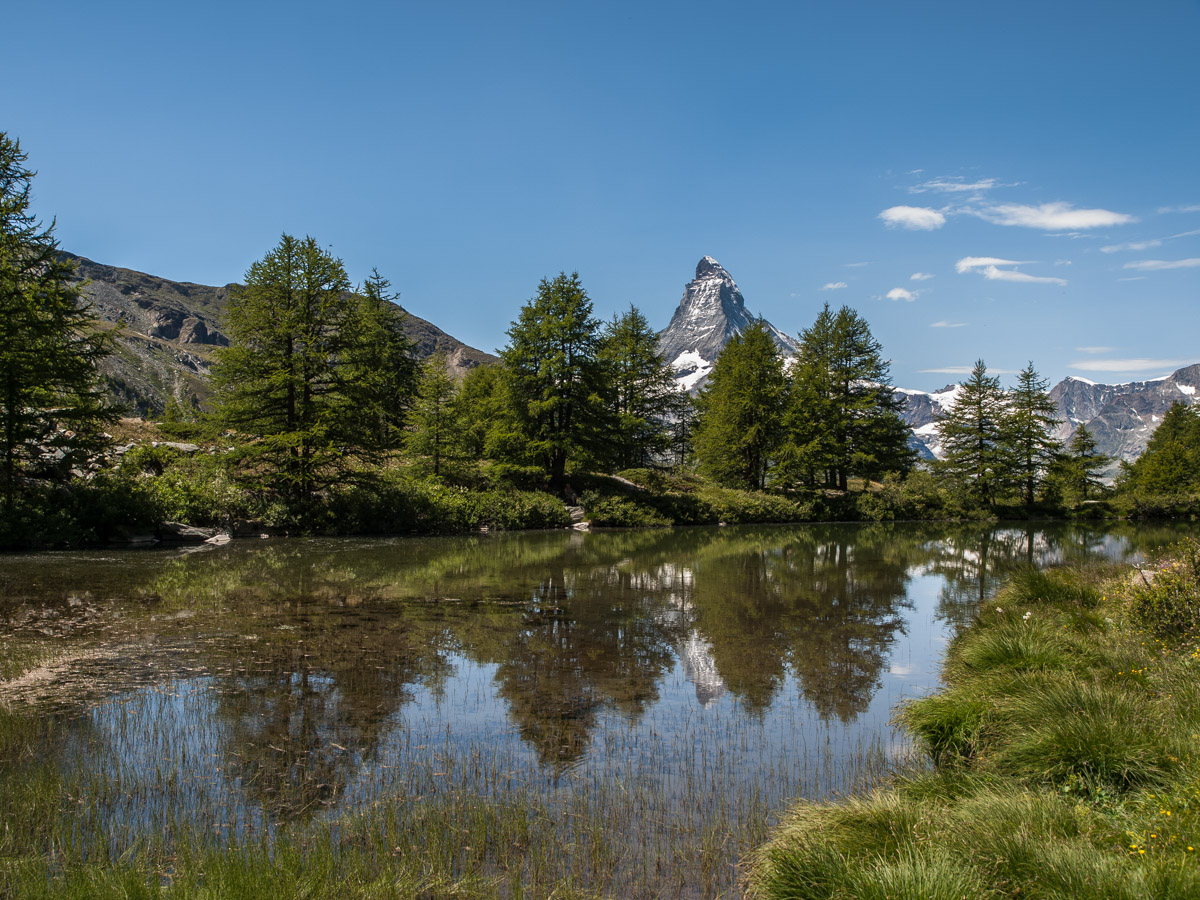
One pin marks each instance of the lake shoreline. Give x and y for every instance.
(1060, 766)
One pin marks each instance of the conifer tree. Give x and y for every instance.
(296, 377)
(555, 380)
(1171, 461)
(380, 372)
(1031, 418)
(644, 401)
(974, 436)
(436, 429)
(1083, 464)
(740, 411)
(52, 409)
(843, 415)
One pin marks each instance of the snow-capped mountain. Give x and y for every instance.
(711, 312)
(1121, 417)
(922, 409)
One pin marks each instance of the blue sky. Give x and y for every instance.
(1037, 160)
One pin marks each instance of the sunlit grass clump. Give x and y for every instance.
(1065, 760)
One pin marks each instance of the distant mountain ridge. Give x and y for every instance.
(167, 332)
(1121, 417)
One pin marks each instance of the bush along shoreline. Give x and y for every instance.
(1061, 759)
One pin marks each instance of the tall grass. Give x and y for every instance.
(1066, 763)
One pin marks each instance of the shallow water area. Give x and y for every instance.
(623, 712)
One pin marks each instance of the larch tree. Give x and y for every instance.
(645, 403)
(843, 415)
(52, 408)
(1083, 464)
(293, 378)
(973, 432)
(555, 379)
(379, 377)
(436, 431)
(739, 426)
(1030, 423)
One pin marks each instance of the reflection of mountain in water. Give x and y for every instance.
(700, 669)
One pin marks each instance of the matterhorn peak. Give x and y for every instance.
(711, 312)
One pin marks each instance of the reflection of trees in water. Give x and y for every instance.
(573, 624)
(310, 669)
(586, 640)
(821, 601)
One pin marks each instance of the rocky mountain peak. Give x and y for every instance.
(711, 312)
(709, 266)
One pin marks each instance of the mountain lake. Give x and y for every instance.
(624, 712)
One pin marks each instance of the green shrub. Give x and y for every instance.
(620, 512)
(1170, 605)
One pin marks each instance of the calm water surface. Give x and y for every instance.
(673, 688)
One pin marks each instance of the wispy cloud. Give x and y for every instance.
(954, 185)
(967, 263)
(1139, 364)
(991, 273)
(902, 294)
(834, 286)
(914, 218)
(919, 276)
(1155, 265)
(1062, 262)
(1133, 278)
(1194, 207)
(965, 370)
(945, 324)
(988, 267)
(1131, 245)
(857, 265)
(1050, 216)
(1093, 349)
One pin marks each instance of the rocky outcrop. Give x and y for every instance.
(711, 312)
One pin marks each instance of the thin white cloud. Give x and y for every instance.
(967, 263)
(1093, 349)
(954, 185)
(1155, 265)
(1195, 207)
(1131, 245)
(1134, 278)
(858, 265)
(1130, 365)
(919, 276)
(1062, 262)
(1051, 216)
(902, 294)
(965, 370)
(945, 324)
(914, 218)
(834, 286)
(1184, 234)
(991, 273)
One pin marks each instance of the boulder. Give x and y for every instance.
(178, 532)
